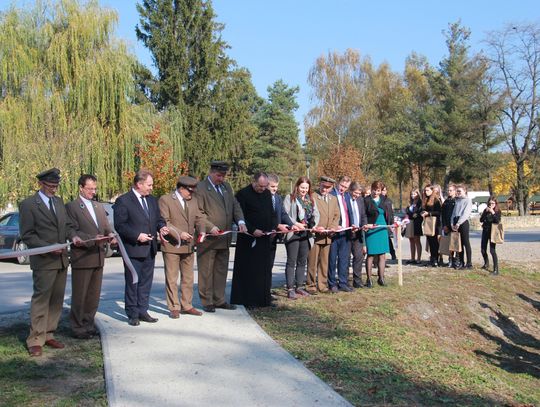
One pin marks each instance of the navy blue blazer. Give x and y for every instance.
(281, 213)
(130, 220)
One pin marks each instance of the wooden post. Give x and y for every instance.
(399, 256)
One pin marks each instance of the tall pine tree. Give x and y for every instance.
(277, 146)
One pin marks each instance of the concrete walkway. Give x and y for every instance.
(220, 359)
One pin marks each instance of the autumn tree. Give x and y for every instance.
(155, 153)
(348, 163)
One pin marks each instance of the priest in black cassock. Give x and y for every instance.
(252, 277)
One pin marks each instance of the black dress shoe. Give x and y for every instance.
(209, 308)
(358, 285)
(134, 321)
(345, 288)
(380, 281)
(227, 306)
(147, 318)
(368, 284)
(468, 266)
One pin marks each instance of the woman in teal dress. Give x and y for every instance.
(376, 237)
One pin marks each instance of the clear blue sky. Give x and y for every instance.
(278, 39)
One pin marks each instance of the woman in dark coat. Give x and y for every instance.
(376, 238)
(491, 216)
(431, 204)
(413, 212)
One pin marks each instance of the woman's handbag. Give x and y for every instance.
(428, 225)
(497, 233)
(455, 242)
(409, 229)
(444, 245)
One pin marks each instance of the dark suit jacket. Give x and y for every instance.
(92, 254)
(39, 227)
(281, 213)
(130, 220)
(363, 217)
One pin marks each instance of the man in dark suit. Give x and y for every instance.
(358, 220)
(90, 221)
(217, 202)
(139, 223)
(43, 222)
(340, 250)
(281, 215)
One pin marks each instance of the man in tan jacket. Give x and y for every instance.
(180, 209)
(216, 200)
(327, 205)
(89, 220)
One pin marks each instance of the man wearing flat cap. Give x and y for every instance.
(317, 275)
(180, 209)
(43, 222)
(217, 202)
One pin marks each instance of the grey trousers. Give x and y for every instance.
(295, 269)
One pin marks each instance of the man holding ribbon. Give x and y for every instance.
(139, 224)
(91, 224)
(180, 210)
(340, 249)
(217, 202)
(317, 275)
(44, 222)
(252, 277)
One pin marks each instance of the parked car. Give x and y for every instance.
(9, 236)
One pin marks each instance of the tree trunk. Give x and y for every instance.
(521, 189)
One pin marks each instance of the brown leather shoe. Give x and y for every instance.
(175, 314)
(35, 350)
(191, 311)
(53, 343)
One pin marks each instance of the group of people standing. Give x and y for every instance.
(449, 215)
(330, 224)
(323, 227)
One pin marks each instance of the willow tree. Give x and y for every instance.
(65, 98)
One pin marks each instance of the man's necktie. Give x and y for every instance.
(145, 206)
(274, 202)
(51, 207)
(347, 222)
(354, 212)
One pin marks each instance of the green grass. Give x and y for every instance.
(444, 338)
(68, 377)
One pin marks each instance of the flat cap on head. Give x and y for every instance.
(52, 175)
(187, 182)
(327, 180)
(220, 166)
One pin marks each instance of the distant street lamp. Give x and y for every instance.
(308, 164)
